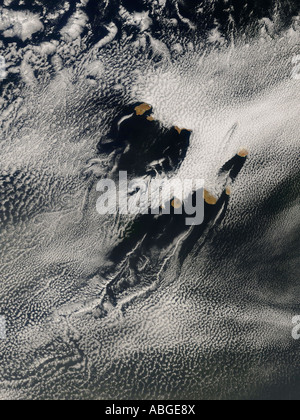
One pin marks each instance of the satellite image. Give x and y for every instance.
(149, 201)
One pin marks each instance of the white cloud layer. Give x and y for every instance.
(19, 24)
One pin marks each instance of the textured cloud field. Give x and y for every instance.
(217, 327)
